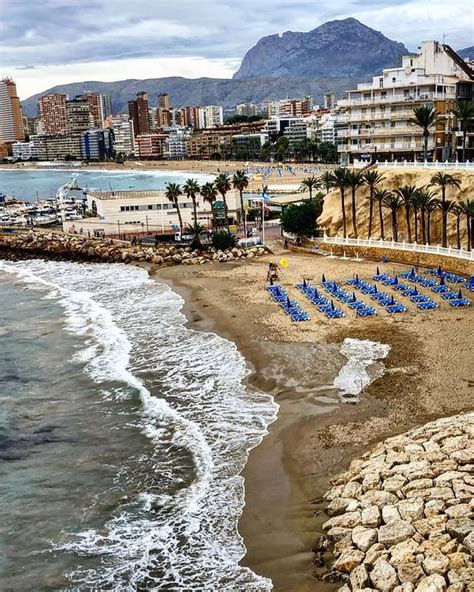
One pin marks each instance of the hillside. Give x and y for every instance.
(200, 91)
(337, 48)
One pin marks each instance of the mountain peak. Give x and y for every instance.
(337, 48)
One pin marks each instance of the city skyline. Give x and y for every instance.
(95, 42)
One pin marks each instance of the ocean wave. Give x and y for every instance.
(190, 386)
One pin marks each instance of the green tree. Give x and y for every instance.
(372, 178)
(393, 202)
(222, 183)
(422, 201)
(282, 146)
(443, 181)
(209, 193)
(458, 212)
(407, 193)
(355, 180)
(240, 181)
(310, 183)
(173, 192)
(327, 152)
(191, 189)
(340, 180)
(300, 219)
(464, 113)
(426, 118)
(431, 207)
(196, 231)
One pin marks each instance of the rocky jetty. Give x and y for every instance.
(402, 516)
(27, 244)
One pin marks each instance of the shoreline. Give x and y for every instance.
(306, 446)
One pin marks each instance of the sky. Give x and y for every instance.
(49, 42)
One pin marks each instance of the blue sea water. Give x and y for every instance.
(31, 184)
(122, 436)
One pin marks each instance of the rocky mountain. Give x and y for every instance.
(467, 53)
(200, 91)
(344, 48)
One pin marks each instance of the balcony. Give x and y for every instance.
(383, 131)
(396, 98)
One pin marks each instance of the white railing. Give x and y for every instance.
(435, 249)
(395, 164)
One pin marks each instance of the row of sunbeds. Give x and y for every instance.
(290, 307)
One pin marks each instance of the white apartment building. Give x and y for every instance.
(247, 109)
(118, 212)
(332, 127)
(209, 116)
(7, 122)
(379, 112)
(296, 131)
(177, 142)
(124, 142)
(22, 150)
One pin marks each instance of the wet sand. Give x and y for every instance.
(428, 375)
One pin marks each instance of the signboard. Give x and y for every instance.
(218, 210)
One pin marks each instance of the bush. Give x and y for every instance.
(224, 240)
(300, 219)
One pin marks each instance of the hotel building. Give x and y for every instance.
(124, 140)
(138, 112)
(379, 113)
(11, 115)
(78, 116)
(52, 114)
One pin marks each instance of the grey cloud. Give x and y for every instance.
(57, 32)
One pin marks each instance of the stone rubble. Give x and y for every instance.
(402, 516)
(79, 247)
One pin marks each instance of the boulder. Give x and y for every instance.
(378, 498)
(409, 570)
(435, 562)
(390, 513)
(348, 560)
(338, 506)
(460, 528)
(468, 542)
(403, 551)
(364, 538)
(395, 532)
(347, 520)
(383, 576)
(359, 577)
(433, 583)
(411, 509)
(370, 517)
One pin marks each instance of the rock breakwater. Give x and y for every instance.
(402, 516)
(27, 244)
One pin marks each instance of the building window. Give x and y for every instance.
(150, 207)
(127, 208)
(158, 206)
(122, 208)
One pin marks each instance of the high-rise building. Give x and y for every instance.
(138, 111)
(30, 125)
(246, 109)
(11, 115)
(78, 115)
(96, 144)
(329, 100)
(290, 107)
(99, 106)
(52, 113)
(209, 116)
(164, 101)
(122, 127)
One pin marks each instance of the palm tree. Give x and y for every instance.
(209, 193)
(393, 202)
(464, 113)
(407, 194)
(356, 179)
(372, 179)
(195, 230)
(172, 192)
(468, 210)
(443, 181)
(422, 200)
(425, 117)
(223, 185)
(326, 180)
(340, 180)
(241, 181)
(431, 206)
(310, 183)
(191, 189)
(380, 195)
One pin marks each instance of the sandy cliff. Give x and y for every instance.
(331, 217)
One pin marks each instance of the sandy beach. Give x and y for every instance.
(428, 374)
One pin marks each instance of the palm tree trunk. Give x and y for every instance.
(458, 230)
(354, 221)
(194, 209)
(226, 219)
(394, 225)
(468, 233)
(426, 134)
(382, 233)
(429, 228)
(407, 213)
(464, 137)
(343, 207)
(423, 226)
(242, 210)
(180, 218)
(445, 217)
(471, 224)
(371, 210)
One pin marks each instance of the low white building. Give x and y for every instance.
(22, 150)
(131, 212)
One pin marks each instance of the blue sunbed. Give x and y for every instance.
(420, 298)
(334, 314)
(395, 308)
(460, 302)
(440, 288)
(428, 305)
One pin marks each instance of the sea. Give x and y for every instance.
(122, 432)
